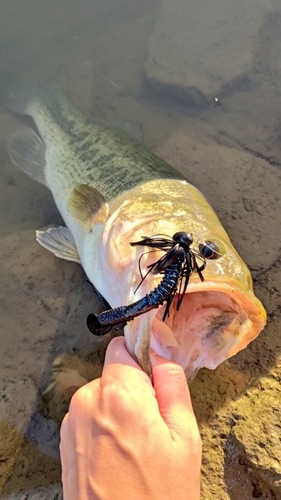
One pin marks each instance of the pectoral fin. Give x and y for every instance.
(60, 242)
(27, 152)
(87, 205)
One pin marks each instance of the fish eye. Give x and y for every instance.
(210, 250)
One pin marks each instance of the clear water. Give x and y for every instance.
(210, 106)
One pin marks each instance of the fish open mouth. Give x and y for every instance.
(212, 324)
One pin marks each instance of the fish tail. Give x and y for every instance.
(26, 147)
(17, 95)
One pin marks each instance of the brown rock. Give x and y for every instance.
(256, 429)
(211, 394)
(44, 304)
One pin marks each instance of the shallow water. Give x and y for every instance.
(208, 104)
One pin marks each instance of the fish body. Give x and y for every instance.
(111, 191)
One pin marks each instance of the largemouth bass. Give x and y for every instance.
(111, 191)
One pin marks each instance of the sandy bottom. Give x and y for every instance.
(44, 301)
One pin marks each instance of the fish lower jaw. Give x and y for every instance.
(210, 327)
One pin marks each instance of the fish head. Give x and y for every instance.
(217, 317)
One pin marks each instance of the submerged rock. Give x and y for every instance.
(199, 48)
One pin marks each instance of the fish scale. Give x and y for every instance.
(103, 149)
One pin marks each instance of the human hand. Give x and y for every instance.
(126, 439)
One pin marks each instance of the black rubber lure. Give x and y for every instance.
(177, 265)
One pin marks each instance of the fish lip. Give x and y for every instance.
(236, 290)
(246, 302)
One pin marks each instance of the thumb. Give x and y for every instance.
(172, 394)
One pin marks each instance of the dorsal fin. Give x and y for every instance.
(87, 205)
